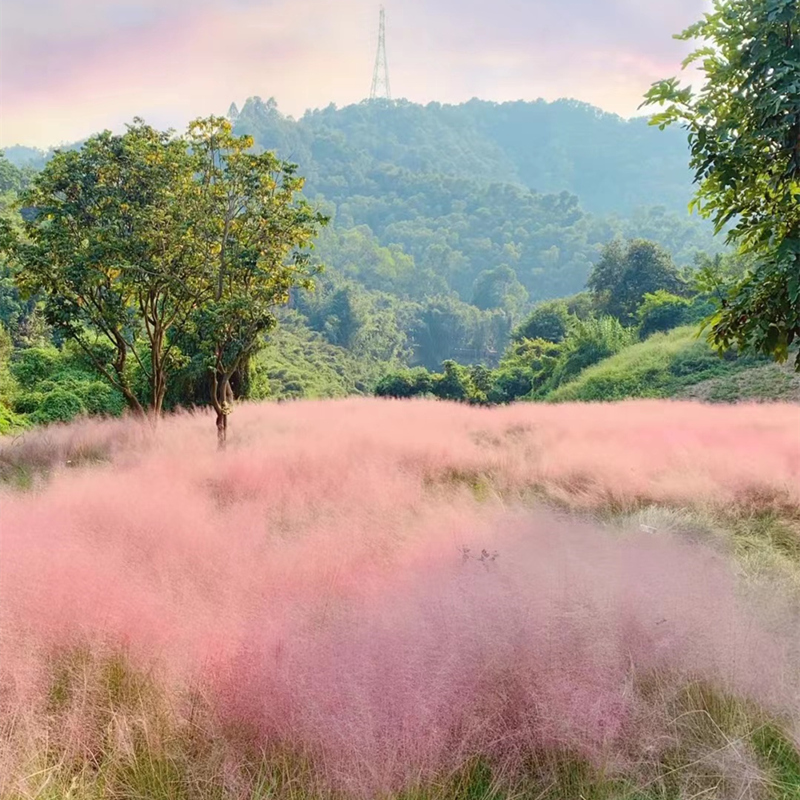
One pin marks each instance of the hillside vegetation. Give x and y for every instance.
(430, 204)
(662, 366)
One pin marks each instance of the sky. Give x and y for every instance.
(69, 68)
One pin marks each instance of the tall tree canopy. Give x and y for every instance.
(744, 132)
(257, 235)
(111, 248)
(627, 272)
(145, 242)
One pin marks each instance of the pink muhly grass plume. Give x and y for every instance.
(313, 579)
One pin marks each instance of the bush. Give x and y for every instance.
(510, 383)
(9, 421)
(662, 311)
(588, 343)
(405, 383)
(53, 379)
(27, 402)
(453, 383)
(100, 398)
(33, 365)
(525, 368)
(59, 405)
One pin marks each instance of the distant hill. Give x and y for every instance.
(534, 187)
(613, 165)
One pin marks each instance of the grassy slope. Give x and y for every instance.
(766, 383)
(667, 365)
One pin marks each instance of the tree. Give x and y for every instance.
(110, 247)
(744, 133)
(626, 273)
(548, 321)
(256, 234)
(499, 288)
(146, 245)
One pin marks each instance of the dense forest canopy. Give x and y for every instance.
(613, 165)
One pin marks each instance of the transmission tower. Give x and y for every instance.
(380, 77)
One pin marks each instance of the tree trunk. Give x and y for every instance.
(222, 429)
(223, 405)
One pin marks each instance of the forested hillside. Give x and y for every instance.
(449, 224)
(613, 165)
(536, 187)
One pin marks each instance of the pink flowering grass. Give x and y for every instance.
(382, 587)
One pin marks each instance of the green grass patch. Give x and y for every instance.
(662, 366)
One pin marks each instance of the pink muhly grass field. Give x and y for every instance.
(312, 579)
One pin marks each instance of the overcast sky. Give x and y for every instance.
(71, 67)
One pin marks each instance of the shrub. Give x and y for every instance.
(59, 405)
(33, 365)
(405, 383)
(100, 398)
(453, 383)
(662, 311)
(510, 383)
(525, 368)
(589, 342)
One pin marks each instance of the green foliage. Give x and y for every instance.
(12, 178)
(456, 383)
(58, 405)
(168, 252)
(255, 233)
(525, 370)
(550, 147)
(468, 189)
(522, 372)
(9, 388)
(299, 363)
(444, 328)
(371, 324)
(626, 273)
(58, 385)
(453, 383)
(35, 365)
(499, 288)
(548, 321)
(441, 239)
(405, 383)
(588, 342)
(744, 134)
(662, 311)
(109, 251)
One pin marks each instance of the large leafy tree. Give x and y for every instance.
(150, 248)
(627, 272)
(256, 233)
(744, 133)
(110, 246)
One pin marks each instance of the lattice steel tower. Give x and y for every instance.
(380, 77)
